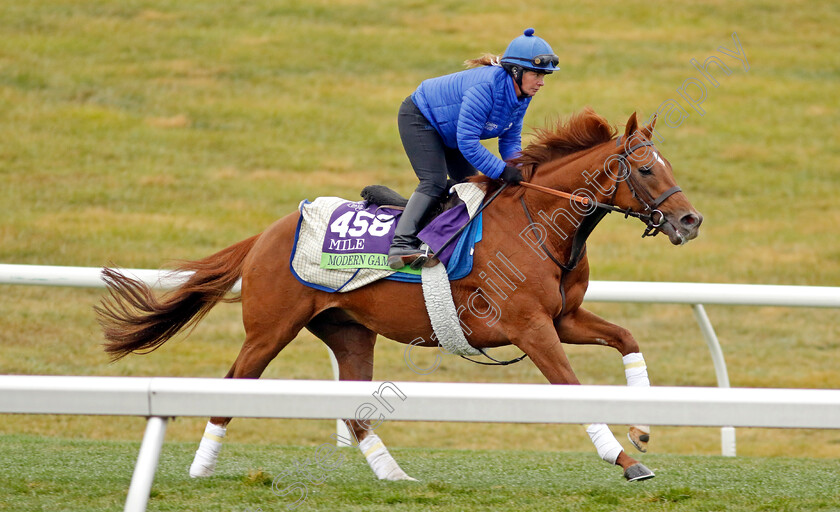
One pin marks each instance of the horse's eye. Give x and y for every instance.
(645, 171)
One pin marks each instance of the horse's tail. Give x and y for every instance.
(134, 320)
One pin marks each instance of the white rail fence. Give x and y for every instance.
(161, 398)
(693, 294)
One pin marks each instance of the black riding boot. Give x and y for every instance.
(405, 248)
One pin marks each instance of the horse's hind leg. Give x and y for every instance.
(352, 344)
(265, 337)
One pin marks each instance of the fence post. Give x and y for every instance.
(727, 434)
(341, 430)
(147, 462)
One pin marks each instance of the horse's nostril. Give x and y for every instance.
(691, 220)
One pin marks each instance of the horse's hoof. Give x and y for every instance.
(639, 437)
(638, 472)
(398, 475)
(201, 471)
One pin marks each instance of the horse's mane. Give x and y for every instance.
(580, 131)
(583, 130)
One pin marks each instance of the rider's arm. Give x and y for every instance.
(475, 110)
(510, 142)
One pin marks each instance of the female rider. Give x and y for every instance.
(442, 122)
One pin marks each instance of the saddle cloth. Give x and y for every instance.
(342, 245)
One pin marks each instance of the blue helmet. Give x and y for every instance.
(531, 52)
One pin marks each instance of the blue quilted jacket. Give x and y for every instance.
(471, 105)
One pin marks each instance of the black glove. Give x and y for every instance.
(511, 175)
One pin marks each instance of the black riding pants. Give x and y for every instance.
(431, 159)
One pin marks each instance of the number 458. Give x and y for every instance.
(356, 224)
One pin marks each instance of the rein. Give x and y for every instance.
(495, 362)
(652, 216)
(584, 200)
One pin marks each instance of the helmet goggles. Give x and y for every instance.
(547, 62)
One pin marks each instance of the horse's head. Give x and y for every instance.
(625, 174)
(646, 186)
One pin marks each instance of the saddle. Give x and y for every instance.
(381, 195)
(341, 245)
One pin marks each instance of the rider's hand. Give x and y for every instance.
(511, 175)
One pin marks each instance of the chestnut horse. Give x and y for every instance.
(533, 236)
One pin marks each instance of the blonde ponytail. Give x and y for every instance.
(488, 59)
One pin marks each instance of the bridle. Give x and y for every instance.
(651, 216)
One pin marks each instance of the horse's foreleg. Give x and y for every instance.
(352, 344)
(585, 328)
(539, 340)
(542, 344)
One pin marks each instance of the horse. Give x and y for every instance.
(535, 233)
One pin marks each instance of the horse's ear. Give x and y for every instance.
(648, 130)
(632, 126)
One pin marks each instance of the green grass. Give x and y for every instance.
(57, 475)
(145, 131)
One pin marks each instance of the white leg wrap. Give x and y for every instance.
(606, 444)
(383, 465)
(204, 463)
(635, 370)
